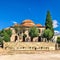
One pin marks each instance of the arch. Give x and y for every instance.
(16, 38)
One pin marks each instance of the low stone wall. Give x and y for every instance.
(29, 45)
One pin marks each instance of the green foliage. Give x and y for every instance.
(58, 40)
(34, 32)
(5, 35)
(1, 40)
(19, 29)
(48, 34)
(49, 23)
(9, 32)
(49, 31)
(24, 35)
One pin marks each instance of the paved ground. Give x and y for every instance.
(31, 57)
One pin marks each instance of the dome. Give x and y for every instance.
(38, 25)
(28, 23)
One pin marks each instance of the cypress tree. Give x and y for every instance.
(49, 23)
(49, 31)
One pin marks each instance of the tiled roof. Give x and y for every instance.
(27, 21)
(38, 25)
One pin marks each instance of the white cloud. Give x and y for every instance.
(55, 24)
(14, 22)
(56, 31)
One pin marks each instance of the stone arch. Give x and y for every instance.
(16, 38)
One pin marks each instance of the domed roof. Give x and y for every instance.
(38, 25)
(28, 23)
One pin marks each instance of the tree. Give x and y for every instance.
(58, 40)
(24, 36)
(48, 27)
(1, 37)
(48, 22)
(9, 32)
(19, 29)
(48, 34)
(1, 41)
(6, 37)
(33, 32)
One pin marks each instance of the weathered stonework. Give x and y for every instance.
(27, 24)
(17, 42)
(29, 46)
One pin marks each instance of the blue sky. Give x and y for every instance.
(18, 10)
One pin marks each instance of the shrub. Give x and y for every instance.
(58, 40)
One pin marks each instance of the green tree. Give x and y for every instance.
(48, 27)
(48, 22)
(6, 37)
(9, 32)
(1, 41)
(48, 34)
(24, 36)
(33, 32)
(19, 29)
(1, 37)
(58, 40)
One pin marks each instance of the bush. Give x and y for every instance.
(58, 40)
(9, 32)
(48, 34)
(24, 35)
(6, 37)
(33, 32)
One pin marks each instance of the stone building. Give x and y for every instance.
(17, 43)
(27, 24)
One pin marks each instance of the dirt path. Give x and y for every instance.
(31, 57)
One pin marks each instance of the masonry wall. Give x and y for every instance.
(29, 46)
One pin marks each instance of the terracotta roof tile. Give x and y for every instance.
(38, 25)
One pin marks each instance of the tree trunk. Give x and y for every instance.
(23, 39)
(39, 39)
(31, 39)
(48, 40)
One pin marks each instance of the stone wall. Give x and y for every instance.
(29, 45)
